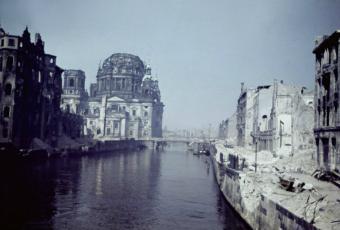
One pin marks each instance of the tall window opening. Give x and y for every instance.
(9, 63)
(71, 83)
(6, 111)
(8, 89)
(325, 144)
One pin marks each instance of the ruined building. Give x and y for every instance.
(245, 115)
(30, 90)
(282, 122)
(263, 104)
(327, 89)
(281, 129)
(125, 101)
(222, 129)
(227, 130)
(269, 118)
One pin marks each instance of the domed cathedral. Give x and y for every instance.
(125, 102)
(74, 97)
(120, 75)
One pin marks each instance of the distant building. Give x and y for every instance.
(125, 102)
(230, 130)
(222, 130)
(245, 115)
(327, 90)
(30, 91)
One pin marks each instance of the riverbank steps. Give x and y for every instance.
(263, 204)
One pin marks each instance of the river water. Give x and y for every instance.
(172, 189)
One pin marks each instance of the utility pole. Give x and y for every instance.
(209, 131)
(256, 140)
(255, 155)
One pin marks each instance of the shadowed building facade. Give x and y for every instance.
(30, 90)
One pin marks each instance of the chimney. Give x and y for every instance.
(242, 87)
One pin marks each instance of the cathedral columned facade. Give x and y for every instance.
(124, 103)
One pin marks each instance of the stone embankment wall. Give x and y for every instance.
(260, 212)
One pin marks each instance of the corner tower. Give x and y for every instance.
(74, 95)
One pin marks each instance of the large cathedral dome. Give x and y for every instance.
(120, 75)
(122, 64)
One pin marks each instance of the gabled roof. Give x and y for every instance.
(116, 99)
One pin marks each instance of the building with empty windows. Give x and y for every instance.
(30, 90)
(245, 116)
(274, 118)
(124, 103)
(327, 90)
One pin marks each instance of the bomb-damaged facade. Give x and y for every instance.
(327, 90)
(125, 101)
(30, 90)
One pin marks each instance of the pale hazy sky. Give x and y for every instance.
(200, 50)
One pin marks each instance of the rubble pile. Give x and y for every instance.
(288, 181)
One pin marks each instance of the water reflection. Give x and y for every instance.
(99, 178)
(136, 190)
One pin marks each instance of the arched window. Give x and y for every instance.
(6, 111)
(98, 131)
(8, 89)
(0, 63)
(9, 63)
(71, 82)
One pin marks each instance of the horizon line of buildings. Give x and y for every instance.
(283, 119)
(39, 107)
